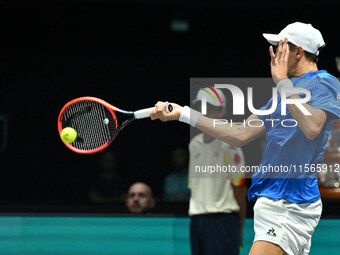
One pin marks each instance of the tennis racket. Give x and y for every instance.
(95, 122)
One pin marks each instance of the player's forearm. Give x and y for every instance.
(235, 135)
(310, 125)
(231, 134)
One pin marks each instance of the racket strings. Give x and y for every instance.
(93, 122)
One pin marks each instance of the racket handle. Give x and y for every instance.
(145, 113)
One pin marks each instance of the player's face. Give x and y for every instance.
(291, 61)
(139, 199)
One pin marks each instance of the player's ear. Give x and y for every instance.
(299, 52)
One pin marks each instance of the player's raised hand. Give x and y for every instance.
(279, 60)
(161, 113)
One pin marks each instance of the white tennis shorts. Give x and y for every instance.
(286, 224)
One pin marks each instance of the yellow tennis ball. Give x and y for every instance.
(68, 135)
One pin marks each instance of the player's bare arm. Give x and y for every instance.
(235, 135)
(310, 125)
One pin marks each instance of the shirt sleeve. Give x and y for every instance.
(326, 96)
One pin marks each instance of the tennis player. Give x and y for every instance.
(287, 208)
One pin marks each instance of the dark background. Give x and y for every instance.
(126, 53)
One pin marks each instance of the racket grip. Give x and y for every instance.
(145, 113)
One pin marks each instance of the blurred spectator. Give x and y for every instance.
(140, 198)
(176, 183)
(218, 201)
(109, 186)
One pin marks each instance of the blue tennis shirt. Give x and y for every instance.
(288, 147)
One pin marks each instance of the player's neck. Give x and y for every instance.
(303, 68)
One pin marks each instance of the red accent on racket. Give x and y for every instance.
(95, 122)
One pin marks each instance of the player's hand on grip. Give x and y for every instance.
(279, 61)
(161, 112)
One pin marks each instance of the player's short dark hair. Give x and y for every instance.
(309, 56)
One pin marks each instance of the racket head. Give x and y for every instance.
(93, 119)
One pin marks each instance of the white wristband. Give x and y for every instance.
(189, 116)
(286, 87)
